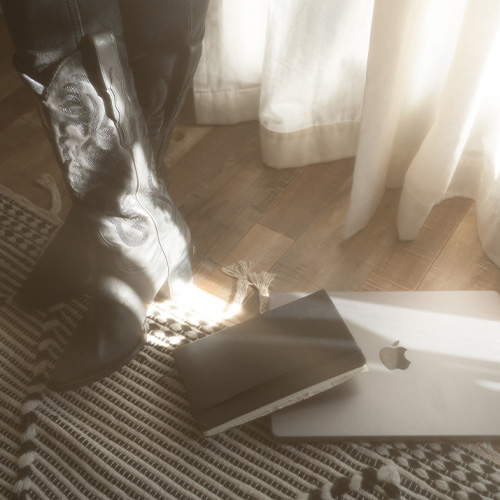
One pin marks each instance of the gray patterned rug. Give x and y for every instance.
(133, 436)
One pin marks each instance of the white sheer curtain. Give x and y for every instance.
(409, 87)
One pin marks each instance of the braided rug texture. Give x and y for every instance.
(133, 436)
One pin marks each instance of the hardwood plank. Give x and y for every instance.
(313, 257)
(9, 80)
(33, 116)
(224, 196)
(462, 264)
(14, 105)
(6, 48)
(404, 265)
(22, 146)
(184, 138)
(296, 208)
(215, 158)
(260, 246)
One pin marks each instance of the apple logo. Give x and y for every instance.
(394, 357)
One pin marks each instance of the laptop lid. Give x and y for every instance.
(434, 370)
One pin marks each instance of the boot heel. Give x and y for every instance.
(178, 282)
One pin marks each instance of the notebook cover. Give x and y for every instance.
(267, 362)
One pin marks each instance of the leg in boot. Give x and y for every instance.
(139, 239)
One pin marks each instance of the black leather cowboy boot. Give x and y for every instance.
(139, 242)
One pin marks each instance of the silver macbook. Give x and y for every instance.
(434, 370)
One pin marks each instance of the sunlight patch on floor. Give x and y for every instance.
(198, 306)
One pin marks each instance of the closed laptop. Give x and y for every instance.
(434, 370)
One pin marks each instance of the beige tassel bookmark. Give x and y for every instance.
(262, 281)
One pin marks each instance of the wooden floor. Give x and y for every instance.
(285, 221)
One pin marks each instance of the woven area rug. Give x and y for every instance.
(133, 436)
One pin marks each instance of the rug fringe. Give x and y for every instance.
(49, 183)
(49, 215)
(34, 395)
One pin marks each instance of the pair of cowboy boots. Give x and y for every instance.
(123, 239)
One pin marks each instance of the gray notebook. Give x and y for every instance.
(267, 362)
(434, 370)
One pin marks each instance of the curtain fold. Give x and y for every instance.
(409, 87)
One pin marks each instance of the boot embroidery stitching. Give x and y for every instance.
(122, 115)
(134, 222)
(95, 144)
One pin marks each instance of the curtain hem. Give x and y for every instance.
(317, 144)
(227, 107)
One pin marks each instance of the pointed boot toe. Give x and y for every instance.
(107, 339)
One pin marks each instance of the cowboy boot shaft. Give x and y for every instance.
(99, 135)
(162, 83)
(164, 41)
(138, 239)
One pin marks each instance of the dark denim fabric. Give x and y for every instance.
(44, 32)
(162, 25)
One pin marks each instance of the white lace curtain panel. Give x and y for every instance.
(409, 87)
